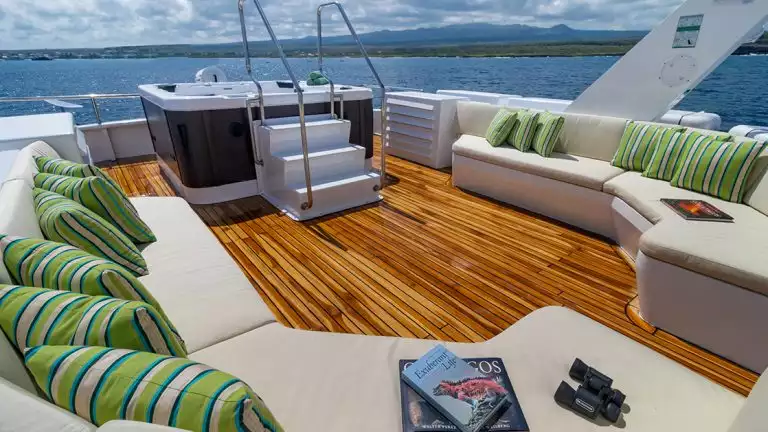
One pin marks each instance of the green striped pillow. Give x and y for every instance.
(103, 384)
(65, 221)
(101, 197)
(47, 264)
(548, 130)
(38, 316)
(666, 156)
(525, 127)
(717, 168)
(51, 165)
(500, 127)
(638, 144)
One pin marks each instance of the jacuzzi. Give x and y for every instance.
(201, 136)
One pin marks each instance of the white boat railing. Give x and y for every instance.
(94, 98)
(375, 73)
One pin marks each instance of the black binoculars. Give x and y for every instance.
(595, 395)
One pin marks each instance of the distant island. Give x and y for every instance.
(460, 40)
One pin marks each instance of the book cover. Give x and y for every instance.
(466, 397)
(697, 210)
(419, 416)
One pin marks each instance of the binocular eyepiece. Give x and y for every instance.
(594, 396)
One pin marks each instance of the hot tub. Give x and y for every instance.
(201, 136)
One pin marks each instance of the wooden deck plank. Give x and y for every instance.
(430, 261)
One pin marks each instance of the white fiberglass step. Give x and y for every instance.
(286, 138)
(329, 197)
(341, 161)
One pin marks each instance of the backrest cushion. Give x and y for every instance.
(66, 221)
(475, 117)
(757, 184)
(594, 137)
(21, 410)
(38, 316)
(24, 167)
(753, 416)
(12, 368)
(17, 217)
(103, 198)
(103, 384)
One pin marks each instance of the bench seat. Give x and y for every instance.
(576, 170)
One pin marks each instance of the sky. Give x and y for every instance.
(29, 24)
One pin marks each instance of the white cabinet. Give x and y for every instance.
(422, 127)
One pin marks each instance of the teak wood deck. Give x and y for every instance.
(430, 261)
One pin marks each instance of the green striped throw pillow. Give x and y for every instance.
(500, 127)
(717, 168)
(666, 156)
(65, 221)
(548, 130)
(38, 316)
(103, 384)
(638, 144)
(525, 127)
(47, 264)
(51, 165)
(101, 197)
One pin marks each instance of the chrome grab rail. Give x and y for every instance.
(333, 98)
(299, 91)
(93, 98)
(365, 55)
(248, 67)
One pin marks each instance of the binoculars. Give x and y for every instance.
(594, 396)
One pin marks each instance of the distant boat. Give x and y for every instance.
(42, 58)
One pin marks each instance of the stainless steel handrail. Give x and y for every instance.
(92, 97)
(299, 92)
(249, 68)
(333, 97)
(365, 55)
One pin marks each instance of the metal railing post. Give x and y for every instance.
(367, 58)
(299, 91)
(94, 98)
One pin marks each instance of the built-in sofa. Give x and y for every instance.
(315, 381)
(704, 282)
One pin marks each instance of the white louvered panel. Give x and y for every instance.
(413, 121)
(412, 131)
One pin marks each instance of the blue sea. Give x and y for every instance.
(736, 90)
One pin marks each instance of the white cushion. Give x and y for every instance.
(17, 216)
(753, 417)
(475, 117)
(589, 136)
(577, 170)
(7, 161)
(757, 185)
(199, 286)
(22, 411)
(343, 383)
(24, 167)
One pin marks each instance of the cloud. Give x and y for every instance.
(99, 23)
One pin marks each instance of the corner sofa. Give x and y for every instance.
(704, 282)
(337, 382)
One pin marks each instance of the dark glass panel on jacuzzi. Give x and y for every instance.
(358, 112)
(161, 135)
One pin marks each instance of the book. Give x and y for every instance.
(467, 398)
(697, 210)
(419, 416)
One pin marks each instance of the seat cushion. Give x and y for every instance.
(66, 221)
(731, 252)
(644, 195)
(103, 384)
(39, 316)
(346, 383)
(577, 170)
(23, 411)
(203, 291)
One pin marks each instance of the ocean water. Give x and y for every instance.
(736, 90)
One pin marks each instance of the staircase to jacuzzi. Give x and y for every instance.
(340, 177)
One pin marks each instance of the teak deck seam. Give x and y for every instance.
(430, 261)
